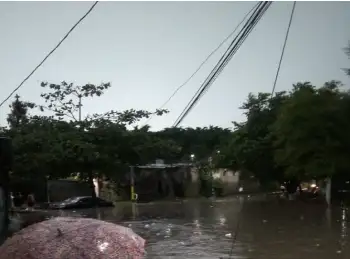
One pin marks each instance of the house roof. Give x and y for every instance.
(163, 166)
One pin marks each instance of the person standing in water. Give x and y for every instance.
(12, 204)
(30, 201)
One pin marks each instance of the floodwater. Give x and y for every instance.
(265, 227)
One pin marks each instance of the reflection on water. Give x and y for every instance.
(268, 229)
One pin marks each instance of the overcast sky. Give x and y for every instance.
(147, 49)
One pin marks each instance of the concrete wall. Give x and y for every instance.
(187, 177)
(108, 191)
(192, 186)
(169, 182)
(146, 184)
(229, 180)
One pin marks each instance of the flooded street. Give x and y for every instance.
(268, 229)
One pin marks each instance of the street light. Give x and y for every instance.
(192, 156)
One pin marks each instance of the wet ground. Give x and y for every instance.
(267, 229)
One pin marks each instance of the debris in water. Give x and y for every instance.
(228, 235)
(264, 221)
(146, 226)
(339, 252)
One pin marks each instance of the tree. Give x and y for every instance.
(312, 132)
(95, 147)
(295, 136)
(66, 101)
(250, 147)
(202, 142)
(39, 149)
(19, 112)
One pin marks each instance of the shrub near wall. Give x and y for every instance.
(109, 192)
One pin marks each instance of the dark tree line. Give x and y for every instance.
(292, 136)
(66, 144)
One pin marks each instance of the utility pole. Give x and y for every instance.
(5, 167)
(79, 119)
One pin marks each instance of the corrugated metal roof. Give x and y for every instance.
(162, 166)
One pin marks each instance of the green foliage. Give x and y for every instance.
(39, 148)
(65, 100)
(250, 148)
(19, 112)
(300, 135)
(99, 145)
(202, 142)
(296, 135)
(312, 132)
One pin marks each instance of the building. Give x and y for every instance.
(179, 180)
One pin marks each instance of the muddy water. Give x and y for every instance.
(267, 229)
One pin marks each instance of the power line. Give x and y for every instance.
(232, 49)
(204, 61)
(236, 230)
(51, 52)
(283, 48)
(273, 90)
(234, 46)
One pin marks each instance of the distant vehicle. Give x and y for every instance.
(81, 202)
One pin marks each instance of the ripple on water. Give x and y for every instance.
(184, 240)
(268, 229)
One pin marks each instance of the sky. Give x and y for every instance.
(147, 49)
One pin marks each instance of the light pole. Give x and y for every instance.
(192, 156)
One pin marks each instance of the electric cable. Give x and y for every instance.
(232, 49)
(214, 69)
(218, 68)
(273, 90)
(204, 62)
(283, 49)
(50, 53)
